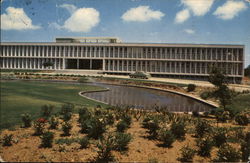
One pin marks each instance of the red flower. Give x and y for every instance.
(41, 120)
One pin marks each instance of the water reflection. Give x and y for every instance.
(146, 98)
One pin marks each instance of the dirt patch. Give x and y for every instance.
(26, 147)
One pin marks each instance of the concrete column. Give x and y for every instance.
(16, 48)
(122, 65)
(77, 52)
(11, 50)
(64, 67)
(118, 65)
(77, 63)
(103, 64)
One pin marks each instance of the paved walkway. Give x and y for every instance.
(236, 87)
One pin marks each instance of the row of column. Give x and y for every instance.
(32, 63)
(169, 67)
(226, 54)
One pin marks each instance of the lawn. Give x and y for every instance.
(240, 103)
(18, 97)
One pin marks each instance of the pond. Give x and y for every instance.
(146, 98)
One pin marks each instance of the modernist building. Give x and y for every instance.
(110, 55)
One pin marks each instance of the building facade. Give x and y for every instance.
(109, 55)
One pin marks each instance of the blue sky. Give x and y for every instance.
(156, 21)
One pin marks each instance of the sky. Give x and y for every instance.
(146, 21)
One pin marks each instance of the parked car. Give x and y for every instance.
(139, 75)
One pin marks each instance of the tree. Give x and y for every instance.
(247, 71)
(218, 78)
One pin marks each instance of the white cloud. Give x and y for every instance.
(82, 20)
(71, 8)
(16, 19)
(189, 31)
(182, 16)
(55, 25)
(230, 9)
(142, 14)
(198, 7)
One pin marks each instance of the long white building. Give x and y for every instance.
(110, 55)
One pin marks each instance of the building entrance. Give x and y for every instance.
(85, 64)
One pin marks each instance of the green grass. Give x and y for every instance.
(240, 103)
(18, 97)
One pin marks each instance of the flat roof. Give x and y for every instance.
(127, 44)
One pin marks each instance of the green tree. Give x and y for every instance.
(218, 78)
(247, 71)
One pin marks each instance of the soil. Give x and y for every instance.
(26, 147)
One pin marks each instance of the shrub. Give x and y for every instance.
(219, 136)
(96, 127)
(166, 137)
(153, 127)
(241, 119)
(46, 110)
(195, 113)
(39, 126)
(145, 122)
(84, 142)
(66, 116)
(67, 108)
(191, 87)
(205, 146)
(84, 114)
(178, 129)
(105, 146)
(47, 139)
(7, 140)
(26, 118)
(245, 148)
(121, 126)
(205, 95)
(109, 119)
(121, 141)
(187, 154)
(66, 127)
(152, 124)
(202, 127)
(227, 153)
(126, 118)
(84, 124)
(53, 122)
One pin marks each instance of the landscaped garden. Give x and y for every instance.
(124, 134)
(49, 121)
